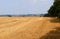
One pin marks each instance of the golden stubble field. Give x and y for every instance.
(25, 27)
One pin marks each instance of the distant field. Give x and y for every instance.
(26, 27)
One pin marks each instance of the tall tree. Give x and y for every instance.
(54, 10)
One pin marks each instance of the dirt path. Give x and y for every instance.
(25, 27)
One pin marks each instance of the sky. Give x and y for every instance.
(16, 7)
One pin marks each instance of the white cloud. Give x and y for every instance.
(35, 1)
(32, 1)
(43, 0)
(39, 0)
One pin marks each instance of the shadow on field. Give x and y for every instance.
(55, 20)
(54, 34)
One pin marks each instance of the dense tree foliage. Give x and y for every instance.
(54, 10)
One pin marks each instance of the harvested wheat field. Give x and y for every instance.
(26, 27)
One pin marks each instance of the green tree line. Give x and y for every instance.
(54, 10)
